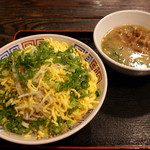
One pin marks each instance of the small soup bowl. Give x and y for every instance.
(120, 18)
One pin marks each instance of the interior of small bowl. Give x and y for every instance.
(95, 64)
(126, 17)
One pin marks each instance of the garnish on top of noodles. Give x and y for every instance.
(45, 89)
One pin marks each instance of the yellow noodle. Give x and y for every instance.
(54, 103)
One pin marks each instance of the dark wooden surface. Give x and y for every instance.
(124, 119)
(58, 14)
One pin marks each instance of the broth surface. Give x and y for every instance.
(129, 45)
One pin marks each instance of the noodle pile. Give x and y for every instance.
(45, 97)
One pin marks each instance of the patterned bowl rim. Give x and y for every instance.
(92, 114)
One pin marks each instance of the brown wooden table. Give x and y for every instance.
(58, 14)
(124, 119)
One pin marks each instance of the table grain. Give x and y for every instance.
(58, 14)
(16, 15)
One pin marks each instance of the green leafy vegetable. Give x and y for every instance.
(23, 66)
(120, 59)
(98, 92)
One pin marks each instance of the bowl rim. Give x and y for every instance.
(100, 49)
(88, 119)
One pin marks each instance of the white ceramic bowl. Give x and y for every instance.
(95, 64)
(126, 17)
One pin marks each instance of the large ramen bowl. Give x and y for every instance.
(95, 64)
(126, 17)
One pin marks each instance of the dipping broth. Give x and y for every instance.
(129, 45)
